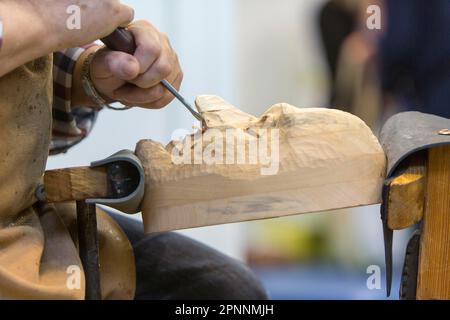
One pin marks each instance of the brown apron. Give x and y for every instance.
(38, 246)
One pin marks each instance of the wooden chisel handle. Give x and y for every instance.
(120, 40)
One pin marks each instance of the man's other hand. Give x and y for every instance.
(135, 80)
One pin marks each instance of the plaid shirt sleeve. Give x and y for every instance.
(70, 126)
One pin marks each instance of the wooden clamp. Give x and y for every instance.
(421, 192)
(117, 181)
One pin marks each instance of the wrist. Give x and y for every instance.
(38, 26)
(51, 25)
(79, 95)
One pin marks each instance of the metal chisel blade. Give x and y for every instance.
(180, 98)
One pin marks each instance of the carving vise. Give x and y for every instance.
(117, 181)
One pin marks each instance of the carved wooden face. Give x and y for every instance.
(324, 159)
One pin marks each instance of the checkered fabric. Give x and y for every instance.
(70, 126)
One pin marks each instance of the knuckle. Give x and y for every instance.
(145, 81)
(145, 23)
(152, 48)
(121, 11)
(109, 59)
(131, 14)
(163, 69)
(114, 6)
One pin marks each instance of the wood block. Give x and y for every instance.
(327, 159)
(407, 193)
(80, 183)
(434, 259)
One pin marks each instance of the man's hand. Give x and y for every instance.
(35, 28)
(134, 80)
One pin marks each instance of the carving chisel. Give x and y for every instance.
(122, 40)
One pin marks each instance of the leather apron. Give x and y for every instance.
(38, 245)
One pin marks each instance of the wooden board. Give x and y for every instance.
(80, 183)
(434, 259)
(328, 159)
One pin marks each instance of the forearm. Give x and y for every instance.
(24, 38)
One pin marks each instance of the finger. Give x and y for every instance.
(167, 98)
(148, 44)
(134, 95)
(147, 80)
(178, 80)
(115, 64)
(166, 65)
(175, 80)
(125, 15)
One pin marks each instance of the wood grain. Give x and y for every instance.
(434, 261)
(328, 159)
(407, 193)
(75, 184)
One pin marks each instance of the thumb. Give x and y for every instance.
(115, 64)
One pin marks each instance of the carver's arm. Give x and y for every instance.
(35, 28)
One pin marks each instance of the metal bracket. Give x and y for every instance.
(126, 182)
(388, 235)
(408, 286)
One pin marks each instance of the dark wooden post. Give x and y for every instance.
(434, 260)
(89, 251)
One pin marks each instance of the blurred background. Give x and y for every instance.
(309, 53)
